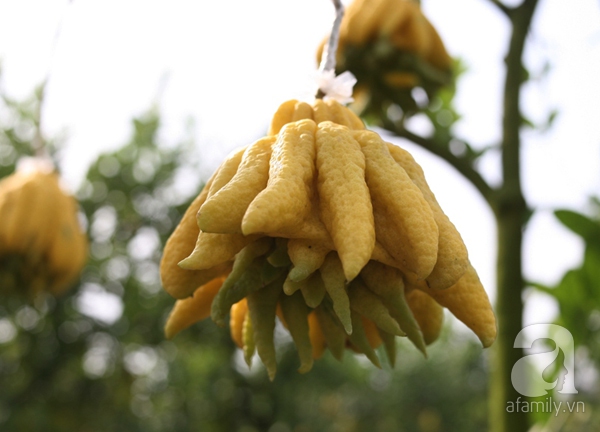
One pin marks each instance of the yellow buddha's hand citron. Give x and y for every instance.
(329, 229)
(345, 200)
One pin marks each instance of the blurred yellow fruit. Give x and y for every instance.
(42, 245)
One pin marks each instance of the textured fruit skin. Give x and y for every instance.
(468, 301)
(404, 220)
(387, 283)
(328, 228)
(428, 313)
(452, 256)
(330, 110)
(39, 231)
(346, 208)
(285, 202)
(192, 309)
(223, 211)
(295, 313)
(176, 281)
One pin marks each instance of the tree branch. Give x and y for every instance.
(461, 165)
(502, 7)
(511, 212)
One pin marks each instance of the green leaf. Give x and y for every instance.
(591, 269)
(580, 224)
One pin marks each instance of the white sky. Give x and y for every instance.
(229, 64)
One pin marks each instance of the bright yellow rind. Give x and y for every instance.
(345, 200)
(286, 201)
(192, 309)
(404, 221)
(452, 257)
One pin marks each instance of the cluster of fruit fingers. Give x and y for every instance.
(357, 231)
(39, 226)
(320, 310)
(343, 189)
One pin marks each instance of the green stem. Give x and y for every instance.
(511, 212)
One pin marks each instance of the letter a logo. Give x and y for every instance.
(525, 377)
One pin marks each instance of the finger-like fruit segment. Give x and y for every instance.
(307, 256)
(313, 290)
(364, 337)
(333, 111)
(344, 116)
(214, 249)
(262, 306)
(279, 257)
(389, 343)
(302, 111)
(285, 202)
(371, 306)
(428, 314)
(333, 277)
(404, 221)
(192, 309)
(387, 283)
(333, 332)
(317, 339)
(345, 201)
(225, 172)
(312, 227)
(282, 116)
(236, 321)
(248, 340)
(223, 212)
(468, 301)
(295, 312)
(245, 277)
(452, 258)
(176, 281)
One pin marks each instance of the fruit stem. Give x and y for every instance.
(330, 50)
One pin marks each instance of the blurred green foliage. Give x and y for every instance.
(578, 292)
(578, 297)
(96, 359)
